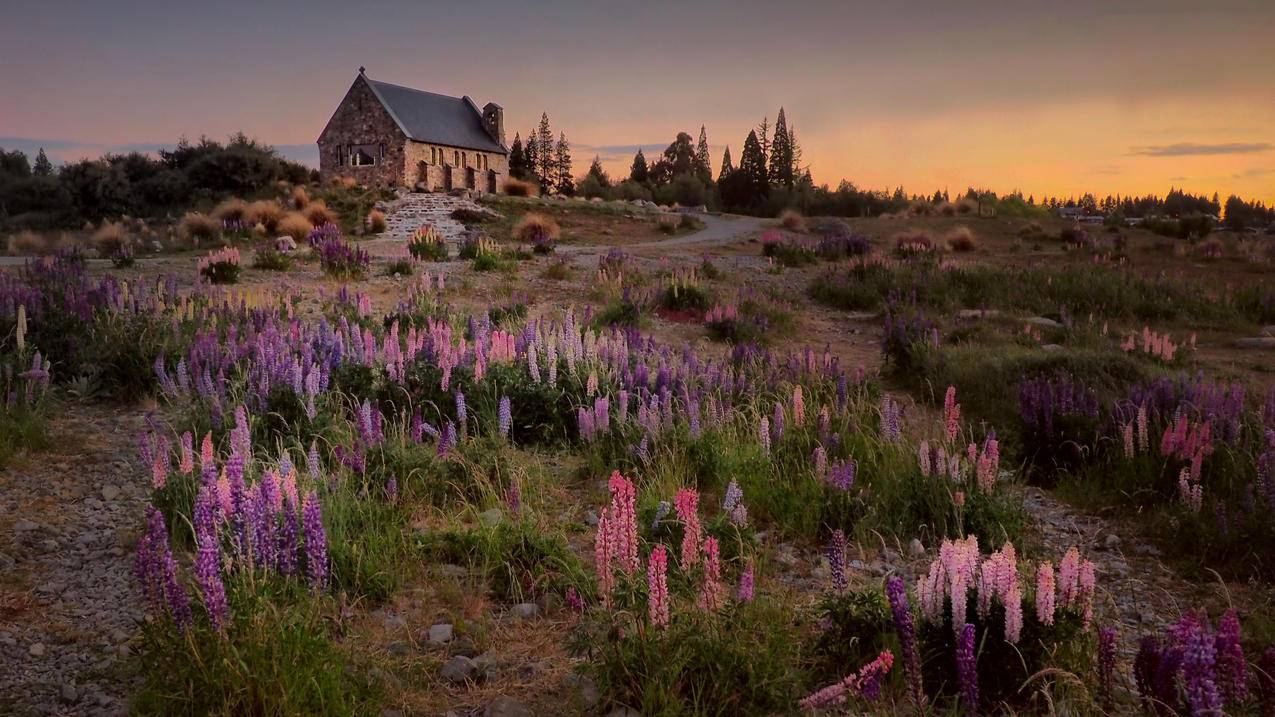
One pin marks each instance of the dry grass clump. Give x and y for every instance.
(668, 223)
(535, 226)
(961, 239)
(519, 188)
(376, 221)
(28, 243)
(319, 214)
(793, 221)
(966, 206)
(300, 198)
(266, 212)
(295, 225)
(110, 239)
(947, 209)
(345, 182)
(231, 210)
(196, 229)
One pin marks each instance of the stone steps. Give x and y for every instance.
(405, 215)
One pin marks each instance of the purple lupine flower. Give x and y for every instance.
(462, 412)
(391, 489)
(418, 427)
(1266, 672)
(175, 594)
(777, 424)
(1232, 670)
(316, 541)
(837, 560)
(841, 475)
(906, 629)
(447, 440)
(746, 583)
(312, 461)
(505, 416)
(149, 562)
(288, 537)
(204, 513)
(1106, 666)
(514, 498)
(967, 669)
(208, 576)
(1198, 662)
(574, 603)
(661, 512)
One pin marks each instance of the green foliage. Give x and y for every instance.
(270, 259)
(857, 626)
(22, 429)
(518, 561)
(275, 658)
(739, 661)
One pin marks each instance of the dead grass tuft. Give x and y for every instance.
(265, 211)
(196, 229)
(295, 225)
(793, 221)
(110, 239)
(319, 214)
(961, 239)
(533, 225)
(376, 221)
(28, 243)
(519, 188)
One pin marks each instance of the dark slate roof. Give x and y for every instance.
(434, 118)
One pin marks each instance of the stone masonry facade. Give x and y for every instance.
(362, 122)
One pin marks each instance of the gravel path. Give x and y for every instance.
(68, 602)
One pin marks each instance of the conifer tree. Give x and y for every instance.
(780, 173)
(546, 161)
(516, 157)
(703, 164)
(798, 169)
(727, 168)
(752, 163)
(639, 171)
(531, 159)
(763, 139)
(563, 182)
(597, 172)
(43, 167)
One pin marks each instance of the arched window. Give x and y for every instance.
(456, 159)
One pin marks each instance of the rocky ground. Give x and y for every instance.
(68, 602)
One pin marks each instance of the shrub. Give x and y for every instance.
(684, 292)
(916, 243)
(221, 266)
(518, 561)
(295, 225)
(376, 221)
(793, 221)
(537, 230)
(668, 223)
(28, 243)
(196, 229)
(960, 239)
(400, 267)
(558, 270)
(110, 239)
(468, 216)
(231, 210)
(269, 258)
(300, 198)
(426, 244)
(265, 212)
(318, 214)
(629, 190)
(123, 258)
(518, 188)
(340, 259)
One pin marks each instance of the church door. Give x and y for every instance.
(447, 178)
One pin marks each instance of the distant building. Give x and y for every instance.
(1071, 212)
(388, 135)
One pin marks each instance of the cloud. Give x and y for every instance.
(1184, 149)
(1253, 172)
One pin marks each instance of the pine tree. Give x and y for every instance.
(797, 168)
(763, 141)
(544, 145)
(703, 164)
(43, 167)
(597, 172)
(780, 173)
(562, 167)
(516, 158)
(727, 168)
(639, 171)
(752, 163)
(531, 158)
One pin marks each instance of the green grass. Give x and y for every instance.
(22, 429)
(518, 561)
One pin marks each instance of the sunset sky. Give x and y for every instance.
(1049, 97)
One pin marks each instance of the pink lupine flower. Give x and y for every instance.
(1128, 441)
(624, 522)
(1142, 427)
(657, 586)
(746, 583)
(188, 458)
(923, 454)
(1013, 614)
(866, 683)
(710, 595)
(159, 469)
(1087, 584)
(1069, 578)
(821, 462)
(603, 559)
(1191, 494)
(798, 406)
(206, 456)
(1045, 593)
(763, 433)
(686, 502)
(225, 496)
(951, 414)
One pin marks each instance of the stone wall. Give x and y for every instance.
(362, 119)
(425, 173)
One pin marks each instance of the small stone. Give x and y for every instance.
(24, 526)
(68, 693)
(526, 610)
(1045, 322)
(591, 519)
(36, 650)
(506, 707)
(1052, 348)
(459, 669)
(440, 634)
(586, 690)
(395, 622)
(491, 518)
(448, 570)
(398, 649)
(916, 547)
(485, 664)
(110, 492)
(1112, 541)
(1257, 342)
(1147, 550)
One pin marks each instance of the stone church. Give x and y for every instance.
(389, 135)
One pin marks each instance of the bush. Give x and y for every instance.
(110, 240)
(519, 562)
(629, 190)
(318, 214)
(400, 267)
(534, 225)
(196, 229)
(230, 211)
(518, 188)
(295, 225)
(468, 216)
(376, 221)
(265, 212)
(340, 259)
(28, 243)
(915, 243)
(269, 258)
(667, 223)
(793, 221)
(426, 244)
(300, 198)
(221, 266)
(960, 239)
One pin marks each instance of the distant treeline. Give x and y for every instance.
(39, 196)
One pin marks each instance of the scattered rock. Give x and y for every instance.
(110, 492)
(916, 547)
(440, 634)
(450, 570)
(491, 518)
(1257, 342)
(68, 693)
(24, 526)
(1052, 348)
(459, 669)
(506, 707)
(1044, 322)
(1112, 541)
(586, 690)
(525, 610)
(1149, 550)
(398, 649)
(36, 650)
(977, 313)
